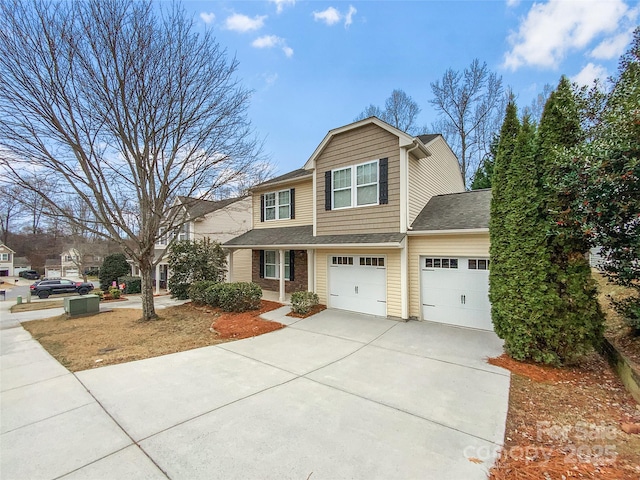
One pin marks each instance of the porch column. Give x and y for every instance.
(230, 266)
(311, 267)
(281, 298)
(157, 279)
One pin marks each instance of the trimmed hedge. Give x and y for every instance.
(230, 297)
(303, 302)
(239, 297)
(131, 284)
(197, 291)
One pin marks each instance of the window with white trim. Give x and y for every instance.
(342, 261)
(272, 265)
(372, 261)
(441, 263)
(277, 205)
(364, 177)
(4, 257)
(478, 264)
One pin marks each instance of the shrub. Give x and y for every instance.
(131, 284)
(212, 294)
(239, 297)
(303, 302)
(629, 308)
(179, 290)
(115, 293)
(197, 290)
(113, 266)
(99, 293)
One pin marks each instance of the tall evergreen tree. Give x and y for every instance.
(575, 322)
(483, 175)
(500, 237)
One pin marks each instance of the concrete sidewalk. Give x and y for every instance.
(336, 395)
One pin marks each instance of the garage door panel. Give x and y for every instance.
(456, 296)
(358, 288)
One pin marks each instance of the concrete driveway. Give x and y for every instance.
(336, 395)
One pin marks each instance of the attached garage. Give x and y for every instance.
(72, 272)
(357, 283)
(455, 290)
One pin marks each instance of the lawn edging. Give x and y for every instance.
(629, 375)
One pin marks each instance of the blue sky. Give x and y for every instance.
(315, 65)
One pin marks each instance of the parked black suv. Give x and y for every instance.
(44, 288)
(29, 274)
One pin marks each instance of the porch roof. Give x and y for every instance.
(292, 237)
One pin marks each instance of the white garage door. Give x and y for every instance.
(456, 291)
(358, 283)
(72, 272)
(52, 274)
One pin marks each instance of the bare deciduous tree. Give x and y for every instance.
(470, 104)
(400, 110)
(10, 208)
(124, 106)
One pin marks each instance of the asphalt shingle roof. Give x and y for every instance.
(428, 137)
(197, 207)
(455, 211)
(303, 235)
(300, 172)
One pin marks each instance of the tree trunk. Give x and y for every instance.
(148, 307)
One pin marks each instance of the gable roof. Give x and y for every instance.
(18, 261)
(405, 140)
(5, 246)
(197, 207)
(455, 211)
(295, 174)
(428, 137)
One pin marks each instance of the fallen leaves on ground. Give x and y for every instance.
(247, 324)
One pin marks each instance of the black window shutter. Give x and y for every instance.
(292, 201)
(261, 263)
(384, 180)
(292, 255)
(262, 208)
(327, 190)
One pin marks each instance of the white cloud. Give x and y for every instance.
(589, 73)
(242, 23)
(330, 16)
(270, 79)
(513, 3)
(208, 17)
(550, 30)
(348, 19)
(612, 47)
(271, 41)
(280, 4)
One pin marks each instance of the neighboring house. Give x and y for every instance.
(377, 222)
(20, 264)
(219, 221)
(6, 260)
(72, 263)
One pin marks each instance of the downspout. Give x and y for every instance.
(404, 225)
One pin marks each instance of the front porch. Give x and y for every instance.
(275, 297)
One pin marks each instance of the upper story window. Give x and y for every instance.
(5, 257)
(357, 185)
(365, 179)
(277, 205)
(183, 234)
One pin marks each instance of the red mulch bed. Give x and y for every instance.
(565, 423)
(246, 324)
(313, 311)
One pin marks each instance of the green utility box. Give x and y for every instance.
(82, 305)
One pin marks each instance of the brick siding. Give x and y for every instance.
(299, 282)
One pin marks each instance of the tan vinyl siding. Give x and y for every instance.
(224, 224)
(394, 304)
(303, 206)
(463, 245)
(354, 147)
(242, 265)
(434, 175)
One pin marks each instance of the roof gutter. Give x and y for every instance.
(318, 246)
(281, 182)
(458, 231)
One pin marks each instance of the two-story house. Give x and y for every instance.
(219, 221)
(377, 222)
(6, 260)
(73, 262)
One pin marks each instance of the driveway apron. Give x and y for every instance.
(336, 395)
